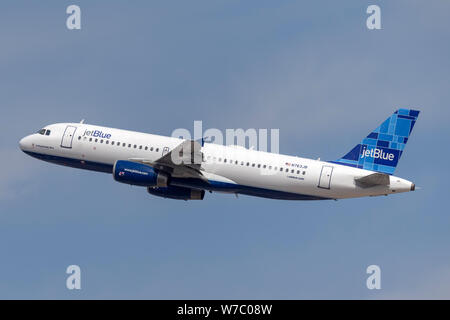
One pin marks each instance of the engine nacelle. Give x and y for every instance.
(179, 193)
(138, 174)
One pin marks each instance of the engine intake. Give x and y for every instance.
(179, 193)
(139, 174)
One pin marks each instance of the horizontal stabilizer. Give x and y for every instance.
(374, 179)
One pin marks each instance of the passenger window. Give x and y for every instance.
(242, 163)
(253, 165)
(270, 167)
(96, 140)
(151, 149)
(157, 149)
(224, 160)
(259, 166)
(129, 145)
(304, 172)
(248, 163)
(90, 139)
(236, 162)
(79, 137)
(112, 143)
(146, 148)
(264, 166)
(107, 141)
(123, 144)
(287, 170)
(220, 159)
(298, 171)
(292, 171)
(281, 169)
(101, 140)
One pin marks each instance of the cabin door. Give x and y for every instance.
(325, 177)
(67, 138)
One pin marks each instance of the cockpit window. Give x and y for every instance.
(44, 132)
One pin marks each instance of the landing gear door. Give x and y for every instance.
(66, 141)
(325, 177)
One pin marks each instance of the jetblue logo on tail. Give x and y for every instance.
(381, 149)
(377, 154)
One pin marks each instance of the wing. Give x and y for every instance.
(184, 161)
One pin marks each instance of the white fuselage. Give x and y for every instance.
(229, 168)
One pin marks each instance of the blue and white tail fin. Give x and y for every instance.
(382, 148)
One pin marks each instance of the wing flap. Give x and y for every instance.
(183, 161)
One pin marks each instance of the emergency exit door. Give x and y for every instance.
(325, 177)
(165, 151)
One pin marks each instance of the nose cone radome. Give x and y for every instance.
(24, 143)
(21, 143)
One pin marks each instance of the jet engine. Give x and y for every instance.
(139, 174)
(179, 193)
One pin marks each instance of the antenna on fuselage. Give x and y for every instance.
(82, 121)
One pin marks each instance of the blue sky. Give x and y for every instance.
(310, 68)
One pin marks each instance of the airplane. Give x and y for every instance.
(184, 169)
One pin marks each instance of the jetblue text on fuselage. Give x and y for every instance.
(377, 154)
(96, 134)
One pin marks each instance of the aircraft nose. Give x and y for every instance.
(24, 143)
(21, 143)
